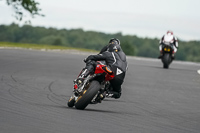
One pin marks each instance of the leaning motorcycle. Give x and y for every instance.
(92, 89)
(167, 59)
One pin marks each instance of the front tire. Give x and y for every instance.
(88, 95)
(71, 102)
(166, 60)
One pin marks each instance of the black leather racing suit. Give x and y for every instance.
(118, 64)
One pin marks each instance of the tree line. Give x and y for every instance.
(78, 38)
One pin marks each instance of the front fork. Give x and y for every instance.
(79, 86)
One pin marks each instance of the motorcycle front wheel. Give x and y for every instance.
(71, 102)
(166, 60)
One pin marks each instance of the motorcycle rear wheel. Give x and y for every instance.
(87, 95)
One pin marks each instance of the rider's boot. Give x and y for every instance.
(113, 94)
(160, 56)
(173, 55)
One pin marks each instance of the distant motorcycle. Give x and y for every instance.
(167, 59)
(93, 89)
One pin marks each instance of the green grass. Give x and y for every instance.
(41, 46)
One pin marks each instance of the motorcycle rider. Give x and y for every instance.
(115, 59)
(170, 38)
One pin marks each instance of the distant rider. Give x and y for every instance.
(115, 59)
(169, 38)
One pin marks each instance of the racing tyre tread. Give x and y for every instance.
(71, 102)
(86, 98)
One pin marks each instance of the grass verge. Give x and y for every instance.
(41, 47)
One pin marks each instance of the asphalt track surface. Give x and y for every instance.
(35, 87)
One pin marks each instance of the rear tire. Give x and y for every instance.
(88, 95)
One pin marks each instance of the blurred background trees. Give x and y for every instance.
(78, 38)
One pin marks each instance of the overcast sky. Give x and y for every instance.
(144, 18)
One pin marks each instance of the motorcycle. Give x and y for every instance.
(167, 58)
(93, 88)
